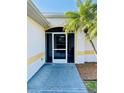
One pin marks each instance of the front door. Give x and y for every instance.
(59, 47)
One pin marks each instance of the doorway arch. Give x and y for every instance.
(59, 46)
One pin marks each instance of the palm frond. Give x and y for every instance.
(84, 17)
(71, 14)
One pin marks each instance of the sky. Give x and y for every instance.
(56, 5)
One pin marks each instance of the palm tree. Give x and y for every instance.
(84, 19)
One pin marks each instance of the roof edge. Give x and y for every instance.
(54, 15)
(36, 15)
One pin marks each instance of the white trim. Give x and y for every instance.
(59, 32)
(54, 15)
(36, 15)
(75, 47)
(66, 47)
(59, 60)
(59, 49)
(52, 48)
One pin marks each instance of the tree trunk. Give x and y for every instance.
(91, 43)
(86, 32)
(93, 46)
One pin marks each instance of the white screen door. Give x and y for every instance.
(59, 46)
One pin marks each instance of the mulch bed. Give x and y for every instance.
(88, 71)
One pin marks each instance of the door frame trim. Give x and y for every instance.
(66, 58)
(75, 46)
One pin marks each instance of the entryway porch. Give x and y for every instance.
(57, 78)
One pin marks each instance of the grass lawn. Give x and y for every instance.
(91, 86)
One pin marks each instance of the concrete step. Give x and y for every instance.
(58, 91)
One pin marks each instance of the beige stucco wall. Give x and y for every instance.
(83, 49)
(35, 47)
